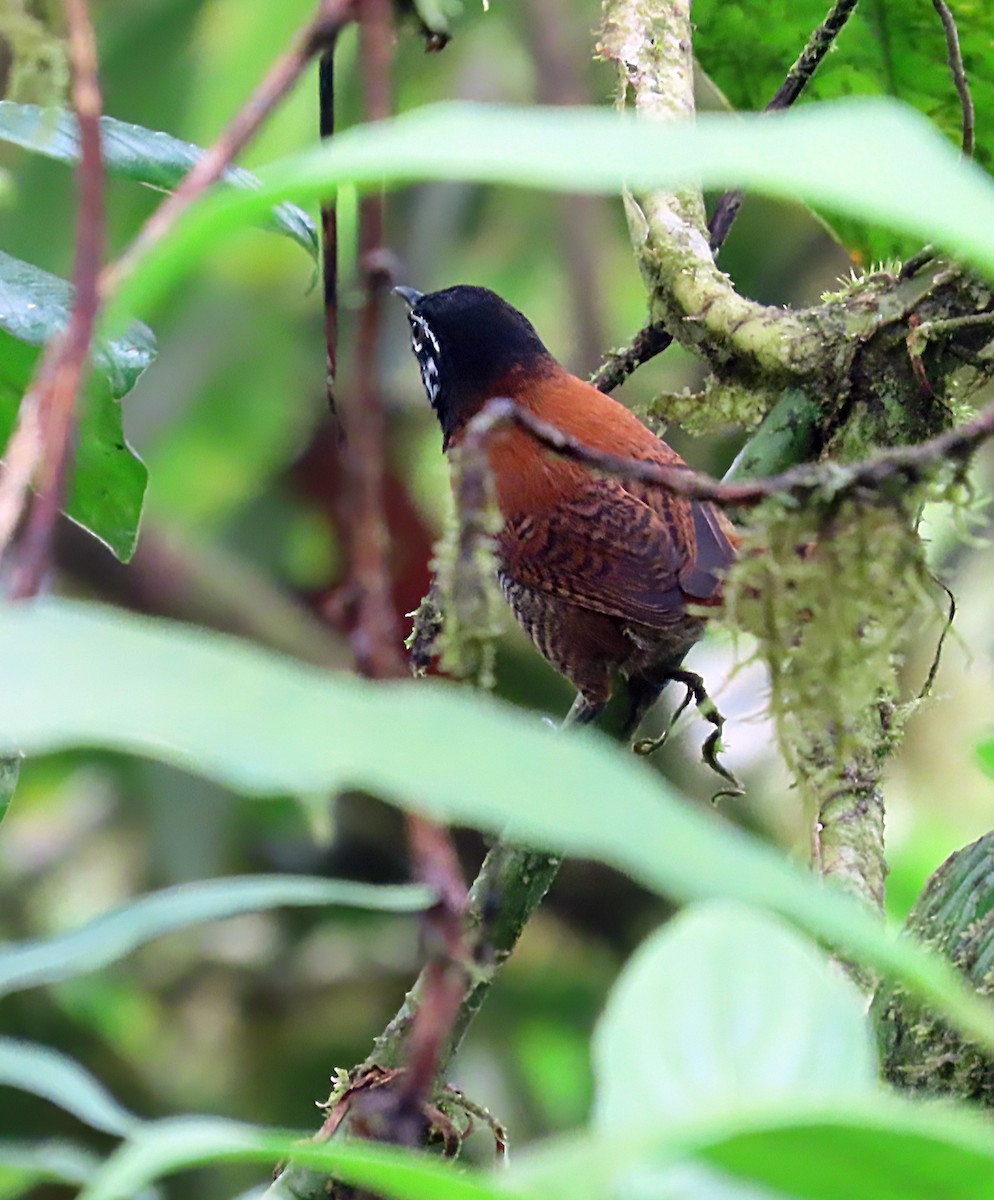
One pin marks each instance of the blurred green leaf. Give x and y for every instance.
(873, 159)
(82, 675)
(160, 1148)
(726, 1007)
(54, 1077)
(854, 1150)
(10, 769)
(985, 752)
(888, 47)
(107, 489)
(115, 934)
(133, 152)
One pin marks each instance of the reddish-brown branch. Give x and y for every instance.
(319, 33)
(904, 464)
(375, 635)
(41, 445)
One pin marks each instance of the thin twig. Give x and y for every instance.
(797, 79)
(655, 338)
(909, 464)
(318, 34)
(41, 443)
(955, 59)
(329, 228)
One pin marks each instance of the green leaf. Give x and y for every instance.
(985, 753)
(872, 159)
(888, 47)
(107, 489)
(54, 1077)
(133, 152)
(883, 1149)
(163, 1147)
(35, 305)
(726, 1007)
(78, 674)
(10, 769)
(115, 934)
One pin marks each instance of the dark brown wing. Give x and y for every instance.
(607, 550)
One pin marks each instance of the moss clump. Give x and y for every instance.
(460, 619)
(830, 590)
(37, 70)
(717, 407)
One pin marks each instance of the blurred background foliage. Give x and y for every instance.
(242, 532)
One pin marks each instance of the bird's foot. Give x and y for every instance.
(712, 747)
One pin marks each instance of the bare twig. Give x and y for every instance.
(907, 464)
(319, 33)
(42, 440)
(329, 226)
(654, 338)
(955, 59)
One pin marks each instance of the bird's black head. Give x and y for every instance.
(468, 343)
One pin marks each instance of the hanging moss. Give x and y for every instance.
(33, 64)
(460, 619)
(830, 591)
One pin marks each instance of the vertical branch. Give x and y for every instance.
(42, 440)
(956, 65)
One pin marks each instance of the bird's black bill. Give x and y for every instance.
(410, 296)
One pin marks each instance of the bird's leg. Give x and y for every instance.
(712, 747)
(582, 712)
(651, 745)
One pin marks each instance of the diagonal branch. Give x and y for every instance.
(902, 464)
(318, 34)
(798, 78)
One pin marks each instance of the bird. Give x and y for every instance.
(607, 576)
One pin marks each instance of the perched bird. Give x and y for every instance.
(598, 571)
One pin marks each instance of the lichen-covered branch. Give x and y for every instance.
(651, 44)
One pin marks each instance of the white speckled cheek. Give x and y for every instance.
(429, 377)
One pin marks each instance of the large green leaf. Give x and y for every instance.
(133, 152)
(872, 159)
(76, 675)
(111, 936)
(883, 1151)
(889, 47)
(726, 1006)
(107, 488)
